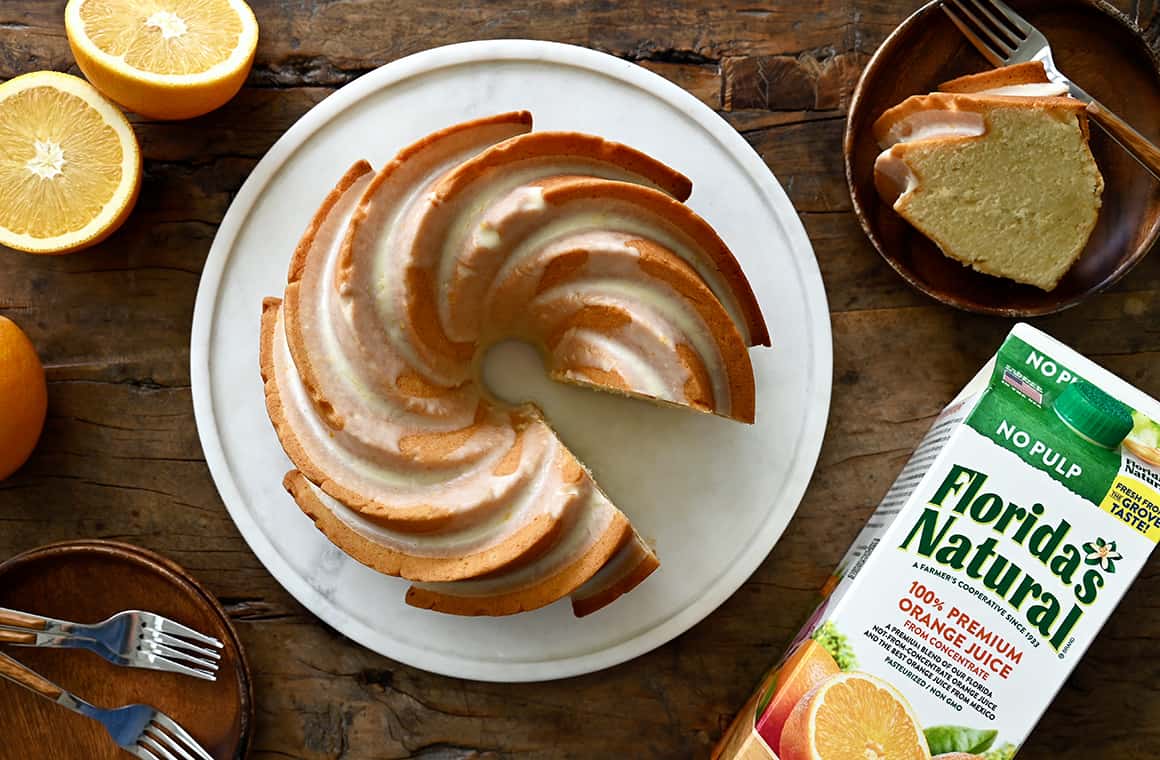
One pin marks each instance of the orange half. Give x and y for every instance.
(166, 59)
(69, 164)
(853, 715)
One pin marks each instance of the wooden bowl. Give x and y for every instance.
(1106, 55)
(86, 581)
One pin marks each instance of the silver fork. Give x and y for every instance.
(138, 729)
(132, 639)
(1004, 37)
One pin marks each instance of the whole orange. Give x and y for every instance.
(23, 397)
(805, 669)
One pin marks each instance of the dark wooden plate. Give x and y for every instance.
(1104, 53)
(87, 581)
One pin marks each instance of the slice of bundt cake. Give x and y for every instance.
(996, 171)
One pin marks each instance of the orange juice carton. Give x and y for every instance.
(992, 562)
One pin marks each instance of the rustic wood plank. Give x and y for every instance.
(781, 82)
(120, 457)
(330, 42)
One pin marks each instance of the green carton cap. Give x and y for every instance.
(1094, 415)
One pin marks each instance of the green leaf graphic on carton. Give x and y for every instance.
(944, 739)
(836, 643)
(1005, 752)
(1102, 553)
(767, 697)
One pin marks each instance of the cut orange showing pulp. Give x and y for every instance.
(69, 164)
(165, 59)
(853, 716)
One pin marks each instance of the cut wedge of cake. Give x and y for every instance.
(996, 171)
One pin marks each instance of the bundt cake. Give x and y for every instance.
(996, 170)
(482, 232)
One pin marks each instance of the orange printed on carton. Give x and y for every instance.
(807, 668)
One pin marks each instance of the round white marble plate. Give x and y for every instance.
(714, 495)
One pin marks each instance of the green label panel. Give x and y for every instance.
(1017, 413)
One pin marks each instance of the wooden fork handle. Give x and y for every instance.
(1141, 148)
(17, 637)
(22, 619)
(14, 671)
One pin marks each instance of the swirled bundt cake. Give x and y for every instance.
(482, 232)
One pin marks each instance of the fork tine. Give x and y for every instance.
(165, 625)
(160, 662)
(1009, 13)
(154, 746)
(1004, 30)
(176, 655)
(170, 725)
(983, 47)
(1000, 44)
(176, 643)
(144, 753)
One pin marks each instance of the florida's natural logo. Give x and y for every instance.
(1042, 539)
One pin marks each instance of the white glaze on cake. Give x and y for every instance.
(475, 234)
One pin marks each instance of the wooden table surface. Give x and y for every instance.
(120, 459)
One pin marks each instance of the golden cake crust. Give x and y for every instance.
(690, 223)
(519, 122)
(422, 517)
(526, 544)
(586, 604)
(981, 104)
(542, 593)
(540, 144)
(589, 604)
(1031, 72)
(673, 184)
(662, 264)
(297, 267)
